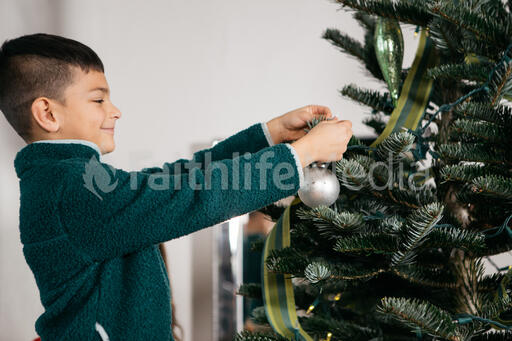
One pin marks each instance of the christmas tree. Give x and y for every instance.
(400, 254)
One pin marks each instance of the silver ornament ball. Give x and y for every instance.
(321, 187)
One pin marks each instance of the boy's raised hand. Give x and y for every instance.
(290, 126)
(326, 142)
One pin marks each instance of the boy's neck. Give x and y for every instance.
(81, 141)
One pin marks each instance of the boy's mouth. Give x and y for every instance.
(108, 130)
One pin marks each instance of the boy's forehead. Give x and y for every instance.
(92, 81)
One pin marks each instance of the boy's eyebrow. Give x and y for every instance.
(105, 90)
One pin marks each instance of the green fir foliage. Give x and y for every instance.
(399, 255)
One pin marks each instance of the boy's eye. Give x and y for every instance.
(99, 101)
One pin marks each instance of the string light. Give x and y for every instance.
(500, 228)
(328, 338)
(467, 318)
(337, 297)
(310, 309)
(416, 31)
(313, 305)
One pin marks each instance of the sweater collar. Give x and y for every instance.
(53, 150)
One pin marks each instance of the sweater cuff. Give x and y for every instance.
(298, 164)
(267, 134)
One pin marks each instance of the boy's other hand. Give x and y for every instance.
(326, 142)
(290, 126)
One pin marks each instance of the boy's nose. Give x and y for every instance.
(116, 112)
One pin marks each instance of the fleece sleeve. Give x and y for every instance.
(250, 140)
(108, 212)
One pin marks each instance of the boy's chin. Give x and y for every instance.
(108, 147)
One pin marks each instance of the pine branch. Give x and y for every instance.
(500, 115)
(482, 27)
(496, 246)
(273, 211)
(395, 147)
(479, 131)
(479, 47)
(411, 12)
(415, 313)
(317, 271)
(469, 272)
(500, 85)
(257, 245)
(345, 43)
(493, 9)
(352, 174)
(368, 206)
(352, 273)
(376, 123)
(318, 326)
(453, 237)
(366, 53)
(304, 235)
(287, 261)
(493, 186)
(330, 223)
(371, 98)
(250, 290)
(447, 38)
(409, 198)
(473, 72)
(419, 224)
(392, 224)
(495, 305)
(365, 20)
(258, 336)
(259, 316)
(467, 172)
(433, 277)
(493, 336)
(476, 152)
(486, 211)
(490, 283)
(374, 243)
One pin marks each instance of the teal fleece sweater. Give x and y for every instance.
(93, 250)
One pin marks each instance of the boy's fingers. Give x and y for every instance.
(321, 110)
(346, 122)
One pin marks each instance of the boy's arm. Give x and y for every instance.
(134, 210)
(251, 139)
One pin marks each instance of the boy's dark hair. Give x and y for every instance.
(37, 65)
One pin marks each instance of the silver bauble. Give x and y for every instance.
(321, 187)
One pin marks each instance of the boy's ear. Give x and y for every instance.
(43, 115)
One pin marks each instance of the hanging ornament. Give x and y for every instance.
(389, 49)
(321, 187)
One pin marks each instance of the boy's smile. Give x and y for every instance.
(87, 112)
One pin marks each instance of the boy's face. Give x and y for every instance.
(87, 113)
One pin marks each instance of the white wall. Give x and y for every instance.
(183, 73)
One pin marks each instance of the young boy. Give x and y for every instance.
(90, 232)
